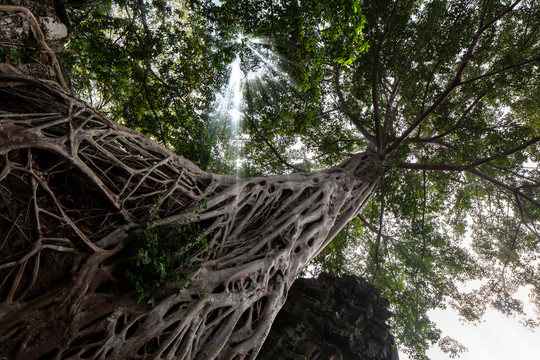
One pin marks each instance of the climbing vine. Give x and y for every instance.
(156, 253)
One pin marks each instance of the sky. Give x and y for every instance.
(498, 337)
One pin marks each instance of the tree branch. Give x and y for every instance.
(514, 240)
(378, 242)
(503, 185)
(142, 12)
(348, 112)
(502, 70)
(498, 17)
(536, 183)
(389, 105)
(478, 173)
(439, 60)
(428, 166)
(534, 140)
(524, 221)
(457, 78)
(458, 122)
(272, 148)
(379, 133)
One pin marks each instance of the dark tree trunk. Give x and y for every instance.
(331, 318)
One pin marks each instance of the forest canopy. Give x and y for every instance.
(444, 93)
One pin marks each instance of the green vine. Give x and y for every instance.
(158, 253)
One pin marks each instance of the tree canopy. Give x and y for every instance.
(444, 92)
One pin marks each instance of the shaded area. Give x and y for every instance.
(331, 318)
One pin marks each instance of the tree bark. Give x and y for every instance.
(331, 318)
(74, 186)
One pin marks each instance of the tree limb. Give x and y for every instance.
(378, 241)
(500, 71)
(272, 148)
(345, 108)
(457, 77)
(456, 125)
(534, 140)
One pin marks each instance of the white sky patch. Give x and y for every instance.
(497, 338)
(300, 146)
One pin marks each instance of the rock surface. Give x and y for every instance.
(331, 318)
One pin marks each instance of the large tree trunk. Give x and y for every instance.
(331, 318)
(74, 184)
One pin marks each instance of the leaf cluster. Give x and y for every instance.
(157, 256)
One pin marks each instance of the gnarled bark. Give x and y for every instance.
(73, 184)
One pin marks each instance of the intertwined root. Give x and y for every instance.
(74, 185)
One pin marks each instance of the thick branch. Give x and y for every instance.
(501, 70)
(456, 82)
(456, 125)
(478, 173)
(350, 114)
(478, 163)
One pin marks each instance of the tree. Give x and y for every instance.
(215, 292)
(87, 202)
(254, 245)
(446, 91)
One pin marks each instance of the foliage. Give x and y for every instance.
(157, 252)
(150, 66)
(340, 255)
(16, 55)
(309, 32)
(10, 55)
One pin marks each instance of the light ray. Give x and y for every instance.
(262, 70)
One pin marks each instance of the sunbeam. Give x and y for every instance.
(255, 66)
